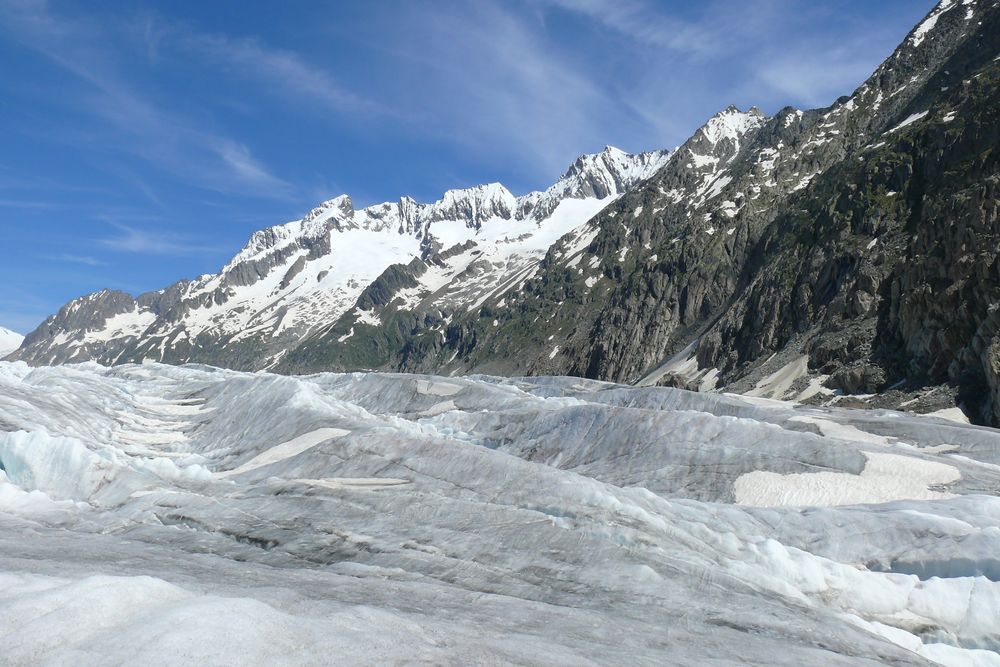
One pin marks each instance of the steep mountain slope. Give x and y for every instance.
(9, 341)
(291, 280)
(850, 249)
(886, 275)
(881, 273)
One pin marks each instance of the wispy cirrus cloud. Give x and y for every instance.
(648, 24)
(75, 259)
(164, 139)
(779, 49)
(283, 72)
(501, 80)
(813, 84)
(147, 241)
(487, 79)
(38, 204)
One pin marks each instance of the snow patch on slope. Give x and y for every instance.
(927, 25)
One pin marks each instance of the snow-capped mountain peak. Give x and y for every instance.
(9, 341)
(595, 175)
(613, 164)
(290, 280)
(731, 123)
(475, 205)
(341, 207)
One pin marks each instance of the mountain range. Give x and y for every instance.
(297, 280)
(840, 255)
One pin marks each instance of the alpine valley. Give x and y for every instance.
(728, 404)
(816, 255)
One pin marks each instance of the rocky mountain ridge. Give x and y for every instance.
(292, 279)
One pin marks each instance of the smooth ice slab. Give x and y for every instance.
(286, 450)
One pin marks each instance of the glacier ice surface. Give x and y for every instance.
(163, 515)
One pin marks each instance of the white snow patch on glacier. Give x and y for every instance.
(832, 429)
(886, 477)
(433, 388)
(286, 450)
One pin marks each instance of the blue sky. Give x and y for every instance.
(144, 142)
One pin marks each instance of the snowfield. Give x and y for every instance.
(162, 515)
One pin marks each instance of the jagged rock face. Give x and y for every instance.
(467, 302)
(886, 273)
(297, 279)
(108, 310)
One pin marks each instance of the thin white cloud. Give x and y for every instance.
(154, 242)
(492, 77)
(75, 259)
(684, 63)
(813, 73)
(646, 24)
(238, 157)
(810, 81)
(488, 79)
(37, 204)
(283, 72)
(164, 139)
(501, 83)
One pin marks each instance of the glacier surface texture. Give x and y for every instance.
(160, 515)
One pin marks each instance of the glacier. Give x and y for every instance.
(161, 515)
